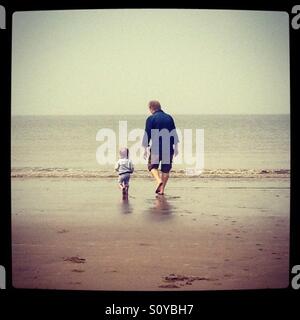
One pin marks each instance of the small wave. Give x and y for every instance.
(208, 173)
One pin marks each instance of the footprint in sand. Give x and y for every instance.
(62, 231)
(168, 286)
(77, 270)
(75, 259)
(182, 280)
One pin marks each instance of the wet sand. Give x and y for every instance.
(204, 234)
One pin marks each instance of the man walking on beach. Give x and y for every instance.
(161, 131)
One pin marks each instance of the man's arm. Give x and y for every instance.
(176, 150)
(147, 136)
(176, 140)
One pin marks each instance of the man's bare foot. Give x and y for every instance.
(158, 189)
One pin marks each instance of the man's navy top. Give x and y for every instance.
(160, 120)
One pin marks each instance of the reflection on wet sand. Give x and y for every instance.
(162, 209)
(125, 205)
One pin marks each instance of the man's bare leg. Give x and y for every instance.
(164, 178)
(155, 174)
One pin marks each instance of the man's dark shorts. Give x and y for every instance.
(164, 167)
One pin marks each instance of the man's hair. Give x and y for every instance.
(154, 105)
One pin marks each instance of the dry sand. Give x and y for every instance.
(204, 234)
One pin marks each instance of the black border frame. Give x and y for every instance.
(212, 301)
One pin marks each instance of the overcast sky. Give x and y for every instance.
(115, 61)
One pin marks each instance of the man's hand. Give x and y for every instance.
(175, 150)
(145, 153)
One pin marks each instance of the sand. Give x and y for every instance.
(204, 234)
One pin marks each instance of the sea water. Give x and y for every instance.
(66, 145)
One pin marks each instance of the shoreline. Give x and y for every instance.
(142, 173)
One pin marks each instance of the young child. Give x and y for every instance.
(124, 167)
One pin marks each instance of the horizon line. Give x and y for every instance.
(143, 114)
